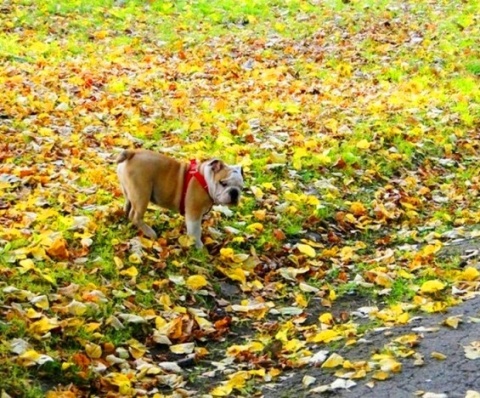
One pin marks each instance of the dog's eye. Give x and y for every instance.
(223, 184)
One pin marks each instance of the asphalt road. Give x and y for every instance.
(452, 377)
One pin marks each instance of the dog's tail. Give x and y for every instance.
(125, 155)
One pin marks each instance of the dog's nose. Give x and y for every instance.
(234, 195)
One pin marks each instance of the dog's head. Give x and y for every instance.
(225, 183)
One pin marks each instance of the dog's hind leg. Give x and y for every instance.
(128, 205)
(137, 210)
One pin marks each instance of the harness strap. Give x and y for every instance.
(191, 172)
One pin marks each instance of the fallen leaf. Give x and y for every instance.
(185, 348)
(433, 286)
(472, 351)
(94, 351)
(452, 321)
(196, 282)
(306, 249)
(307, 380)
(438, 355)
(333, 361)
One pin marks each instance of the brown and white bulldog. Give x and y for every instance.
(147, 176)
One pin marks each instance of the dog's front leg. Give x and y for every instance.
(194, 228)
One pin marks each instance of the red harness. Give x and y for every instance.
(191, 172)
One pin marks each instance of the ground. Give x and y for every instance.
(453, 375)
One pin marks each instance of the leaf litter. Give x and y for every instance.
(357, 129)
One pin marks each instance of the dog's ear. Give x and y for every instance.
(239, 170)
(216, 165)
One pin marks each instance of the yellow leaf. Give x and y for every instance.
(257, 192)
(301, 300)
(332, 295)
(407, 339)
(293, 345)
(358, 209)
(292, 197)
(346, 253)
(185, 348)
(333, 361)
(383, 279)
(253, 346)
(240, 257)
(204, 324)
(332, 125)
(135, 258)
(43, 325)
(76, 308)
(470, 274)
(403, 318)
(363, 144)
(433, 286)
(279, 27)
(47, 277)
(236, 274)
(195, 125)
(66, 365)
(438, 355)
(274, 372)
(238, 379)
(94, 351)
(100, 34)
(405, 275)
(122, 381)
(136, 349)
(41, 302)
(132, 272)
(380, 375)
(326, 318)
(452, 321)
(226, 253)
(221, 105)
(186, 240)
(92, 326)
(30, 355)
(118, 262)
(436, 306)
(312, 200)
(359, 374)
(255, 227)
(390, 365)
(324, 336)
(269, 186)
(32, 314)
(196, 282)
(306, 249)
(26, 265)
(222, 391)
(201, 352)
(260, 214)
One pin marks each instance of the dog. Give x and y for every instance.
(191, 189)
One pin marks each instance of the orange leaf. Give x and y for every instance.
(58, 249)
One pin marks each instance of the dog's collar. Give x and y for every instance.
(191, 172)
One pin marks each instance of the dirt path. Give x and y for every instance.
(451, 377)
